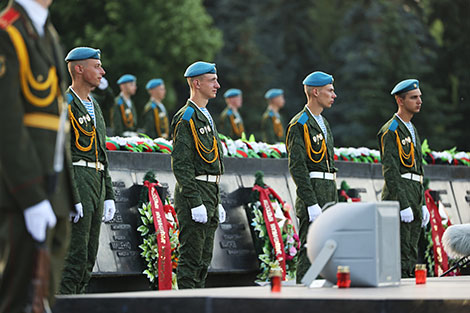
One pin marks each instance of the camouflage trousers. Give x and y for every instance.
(325, 191)
(196, 239)
(84, 242)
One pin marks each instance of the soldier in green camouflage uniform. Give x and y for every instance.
(35, 193)
(400, 151)
(311, 162)
(197, 164)
(230, 120)
(90, 166)
(155, 117)
(272, 130)
(124, 113)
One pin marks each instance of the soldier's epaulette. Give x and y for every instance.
(303, 118)
(270, 114)
(68, 97)
(120, 101)
(229, 112)
(393, 126)
(8, 17)
(187, 114)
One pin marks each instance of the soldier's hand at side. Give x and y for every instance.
(75, 216)
(314, 211)
(222, 214)
(406, 215)
(109, 210)
(426, 216)
(38, 218)
(199, 214)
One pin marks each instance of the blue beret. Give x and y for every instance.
(405, 85)
(232, 93)
(273, 93)
(199, 68)
(126, 78)
(318, 79)
(83, 53)
(154, 83)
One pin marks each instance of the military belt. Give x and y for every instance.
(41, 120)
(411, 176)
(322, 175)
(209, 178)
(96, 165)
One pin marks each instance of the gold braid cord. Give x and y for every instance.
(76, 127)
(308, 144)
(26, 76)
(401, 153)
(277, 126)
(156, 116)
(199, 145)
(128, 121)
(237, 130)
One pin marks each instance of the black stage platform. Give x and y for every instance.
(443, 295)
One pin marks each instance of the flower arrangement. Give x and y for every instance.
(271, 239)
(159, 232)
(249, 148)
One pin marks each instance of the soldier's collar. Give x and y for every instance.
(36, 12)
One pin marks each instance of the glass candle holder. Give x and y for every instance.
(275, 277)
(343, 277)
(420, 274)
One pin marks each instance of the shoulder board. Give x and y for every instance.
(8, 17)
(270, 114)
(393, 125)
(68, 97)
(303, 118)
(229, 112)
(187, 114)
(120, 101)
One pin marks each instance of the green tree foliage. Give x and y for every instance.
(146, 38)
(382, 44)
(449, 22)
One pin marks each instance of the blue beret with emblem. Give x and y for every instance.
(154, 83)
(83, 53)
(317, 79)
(273, 93)
(199, 68)
(233, 92)
(405, 85)
(126, 78)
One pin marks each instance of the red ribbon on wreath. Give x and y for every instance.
(272, 227)
(437, 230)
(163, 238)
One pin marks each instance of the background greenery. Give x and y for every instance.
(368, 46)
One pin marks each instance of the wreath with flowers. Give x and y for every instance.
(276, 240)
(159, 232)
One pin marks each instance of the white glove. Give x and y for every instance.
(38, 218)
(199, 214)
(426, 216)
(222, 214)
(314, 211)
(109, 210)
(75, 216)
(406, 215)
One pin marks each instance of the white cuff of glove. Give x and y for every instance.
(199, 214)
(38, 218)
(314, 211)
(222, 213)
(75, 216)
(426, 216)
(406, 215)
(109, 210)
